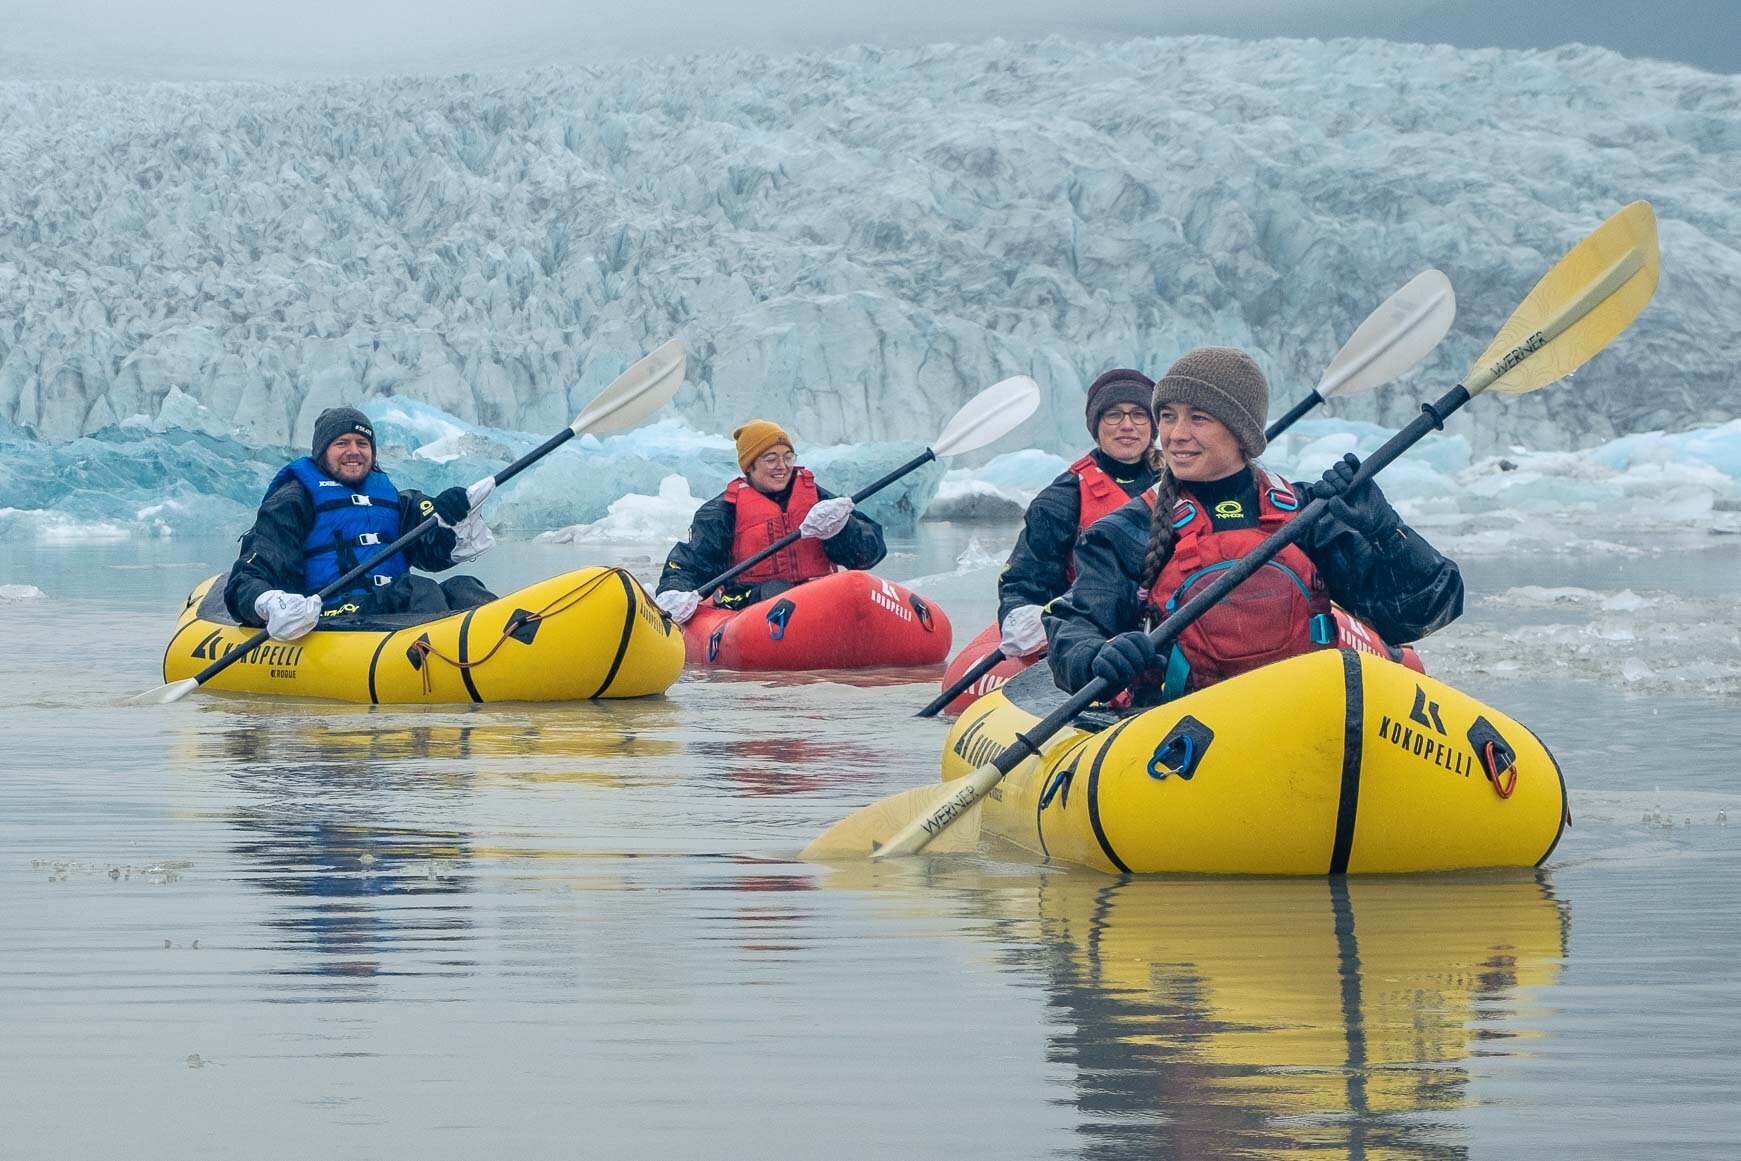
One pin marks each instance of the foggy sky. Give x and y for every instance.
(252, 38)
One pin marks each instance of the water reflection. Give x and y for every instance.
(319, 823)
(360, 824)
(1323, 1018)
(772, 767)
(414, 747)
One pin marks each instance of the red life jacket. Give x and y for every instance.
(1100, 496)
(760, 522)
(1278, 612)
(1100, 493)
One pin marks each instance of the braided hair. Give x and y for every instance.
(1161, 531)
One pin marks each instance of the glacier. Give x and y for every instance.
(851, 241)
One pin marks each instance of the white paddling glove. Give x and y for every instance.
(471, 536)
(1023, 632)
(678, 605)
(288, 616)
(827, 518)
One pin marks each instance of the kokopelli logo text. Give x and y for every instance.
(889, 599)
(1425, 742)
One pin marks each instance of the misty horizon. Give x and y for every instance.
(204, 39)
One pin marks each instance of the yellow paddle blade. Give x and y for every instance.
(868, 829)
(1591, 295)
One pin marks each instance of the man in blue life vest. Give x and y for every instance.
(328, 512)
(773, 498)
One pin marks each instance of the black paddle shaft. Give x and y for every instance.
(345, 581)
(974, 672)
(857, 497)
(1293, 415)
(1432, 419)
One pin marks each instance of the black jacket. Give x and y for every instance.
(271, 555)
(1037, 566)
(707, 552)
(1400, 586)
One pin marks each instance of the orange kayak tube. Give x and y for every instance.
(846, 620)
(971, 654)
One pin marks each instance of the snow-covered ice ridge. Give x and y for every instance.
(852, 242)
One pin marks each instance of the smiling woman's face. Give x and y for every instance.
(772, 470)
(1196, 445)
(1125, 432)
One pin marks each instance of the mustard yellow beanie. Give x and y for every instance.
(756, 437)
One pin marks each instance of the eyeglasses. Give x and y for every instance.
(775, 459)
(1117, 416)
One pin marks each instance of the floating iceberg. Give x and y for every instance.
(146, 479)
(1000, 490)
(19, 594)
(1649, 642)
(636, 519)
(1632, 489)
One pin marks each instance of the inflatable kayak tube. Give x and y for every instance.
(972, 654)
(585, 634)
(846, 620)
(1351, 634)
(1333, 762)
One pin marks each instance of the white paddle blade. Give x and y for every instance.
(989, 416)
(164, 694)
(635, 394)
(1399, 334)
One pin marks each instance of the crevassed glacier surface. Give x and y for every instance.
(851, 242)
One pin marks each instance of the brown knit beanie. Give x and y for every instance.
(1119, 385)
(1228, 384)
(756, 437)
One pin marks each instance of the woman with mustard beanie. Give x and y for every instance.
(773, 498)
(1213, 504)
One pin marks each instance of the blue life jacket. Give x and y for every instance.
(349, 523)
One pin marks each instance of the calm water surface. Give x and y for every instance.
(291, 930)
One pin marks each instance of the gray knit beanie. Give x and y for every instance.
(1228, 384)
(337, 421)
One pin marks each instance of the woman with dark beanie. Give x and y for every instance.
(1121, 466)
(1211, 505)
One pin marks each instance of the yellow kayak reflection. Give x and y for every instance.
(410, 747)
(1275, 1017)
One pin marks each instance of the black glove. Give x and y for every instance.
(1126, 656)
(453, 506)
(1362, 508)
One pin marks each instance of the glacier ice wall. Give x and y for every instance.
(852, 242)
